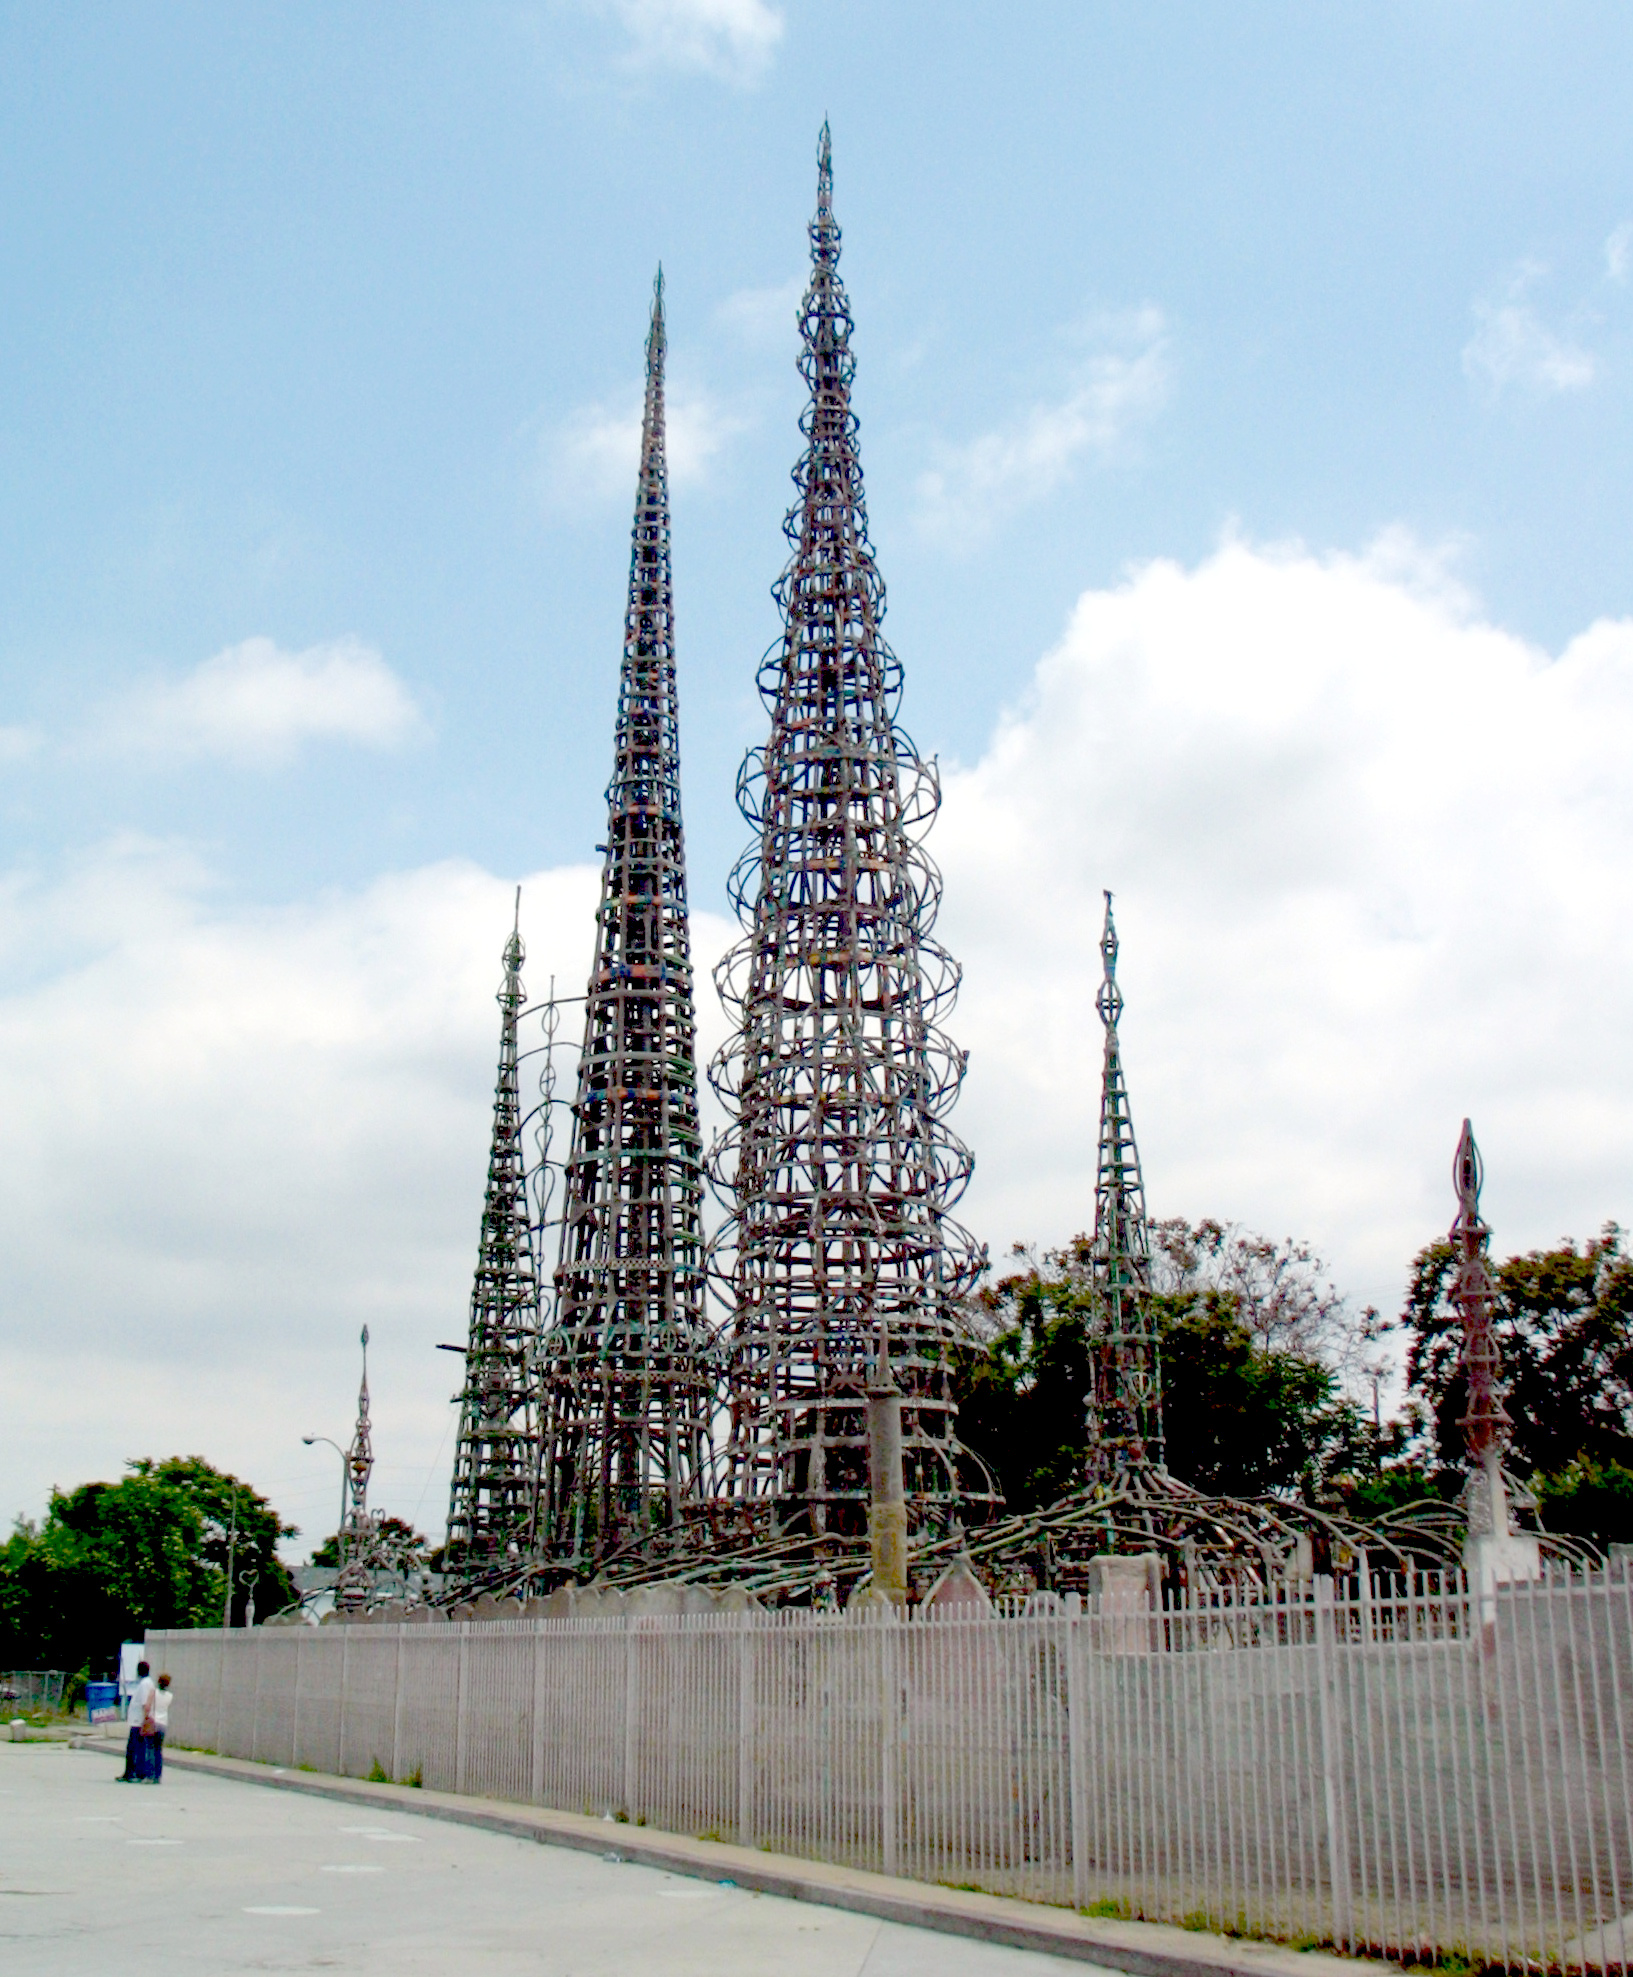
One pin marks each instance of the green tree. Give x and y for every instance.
(113, 1559)
(234, 1518)
(1244, 1413)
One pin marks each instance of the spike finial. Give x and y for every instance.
(657, 339)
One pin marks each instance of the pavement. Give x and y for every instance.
(215, 1872)
(209, 1874)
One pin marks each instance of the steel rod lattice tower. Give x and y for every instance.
(626, 1368)
(491, 1503)
(837, 1171)
(356, 1539)
(1125, 1408)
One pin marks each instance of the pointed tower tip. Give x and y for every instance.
(516, 922)
(1467, 1172)
(656, 338)
(825, 165)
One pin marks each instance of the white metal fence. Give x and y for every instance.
(1415, 1772)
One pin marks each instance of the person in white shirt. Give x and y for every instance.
(138, 1711)
(162, 1696)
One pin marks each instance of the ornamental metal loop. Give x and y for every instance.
(625, 1369)
(836, 1170)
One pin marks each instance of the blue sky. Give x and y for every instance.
(295, 300)
(320, 337)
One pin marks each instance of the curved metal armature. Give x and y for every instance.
(491, 1499)
(837, 1172)
(626, 1383)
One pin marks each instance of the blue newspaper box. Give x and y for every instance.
(102, 1702)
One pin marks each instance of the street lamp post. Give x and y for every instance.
(340, 1528)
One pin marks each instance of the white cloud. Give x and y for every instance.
(735, 40)
(1373, 861)
(253, 703)
(233, 1136)
(763, 317)
(1117, 387)
(1619, 252)
(592, 458)
(1513, 346)
(1374, 867)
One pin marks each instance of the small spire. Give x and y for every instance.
(1109, 1000)
(1487, 1422)
(1125, 1406)
(825, 169)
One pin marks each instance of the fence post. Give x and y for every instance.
(295, 1725)
(745, 1729)
(1326, 1659)
(890, 1732)
(1077, 1783)
(459, 1714)
(397, 1705)
(345, 1657)
(221, 1697)
(631, 1705)
(256, 1658)
(536, 1782)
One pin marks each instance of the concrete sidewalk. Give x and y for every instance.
(1141, 1948)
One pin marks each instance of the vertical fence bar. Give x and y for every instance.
(747, 1640)
(1077, 1782)
(462, 1705)
(631, 1708)
(340, 1739)
(1338, 1870)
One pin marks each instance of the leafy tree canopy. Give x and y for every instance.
(1249, 1404)
(112, 1559)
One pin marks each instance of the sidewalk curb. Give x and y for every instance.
(1142, 1949)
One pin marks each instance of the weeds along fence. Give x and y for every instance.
(1415, 1772)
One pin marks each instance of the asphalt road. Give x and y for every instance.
(206, 1875)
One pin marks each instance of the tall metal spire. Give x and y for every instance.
(838, 1172)
(1125, 1408)
(490, 1505)
(625, 1364)
(352, 1585)
(1486, 1423)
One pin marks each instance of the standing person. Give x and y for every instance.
(161, 1722)
(138, 1711)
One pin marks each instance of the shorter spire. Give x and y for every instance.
(1125, 1407)
(1487, 1422)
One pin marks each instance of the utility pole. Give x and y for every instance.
(232, 1544)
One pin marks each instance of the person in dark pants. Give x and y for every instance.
(139, 1711)
(161, 1723)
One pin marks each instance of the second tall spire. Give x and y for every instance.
(624, 1365)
